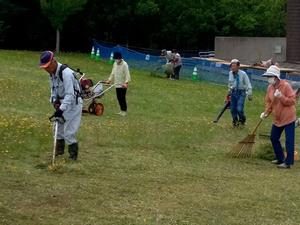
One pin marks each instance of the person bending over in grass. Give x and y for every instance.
(239, 87)
(66, 100)
(121, 77)
(177, 64)
(169, 66)
(281, 102)
(266, 64)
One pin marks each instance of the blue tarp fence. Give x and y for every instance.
(207, 70)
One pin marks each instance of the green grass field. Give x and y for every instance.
(164, 163)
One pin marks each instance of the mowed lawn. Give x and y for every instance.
(165, 163)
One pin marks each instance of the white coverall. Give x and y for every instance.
(70, 104)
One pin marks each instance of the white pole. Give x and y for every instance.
(55, 142)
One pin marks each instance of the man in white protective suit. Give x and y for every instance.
(67, 101)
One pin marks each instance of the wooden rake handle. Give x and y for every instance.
(260, 121)
(257, 126)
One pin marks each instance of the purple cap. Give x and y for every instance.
(46, 58)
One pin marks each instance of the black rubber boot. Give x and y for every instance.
(235, 123)
(60, 147)
(73, 151)
(242, 122)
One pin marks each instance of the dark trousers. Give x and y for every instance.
(289, 142)
(237, 106)
(176, 72)
(121, 95)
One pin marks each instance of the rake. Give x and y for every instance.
(244, 148)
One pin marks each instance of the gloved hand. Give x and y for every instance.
(277, 94)
(229, 91)
(58, 113)
(250, 98)
(125, 85)
(56, 104)
(263, 115)
(297, 122)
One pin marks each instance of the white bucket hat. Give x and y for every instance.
(235, 61)
(273, 71)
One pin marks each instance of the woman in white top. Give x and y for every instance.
(121, 77)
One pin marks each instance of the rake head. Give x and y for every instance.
(244, 148)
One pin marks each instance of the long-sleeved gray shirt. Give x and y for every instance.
(64, 90)
(243, 84)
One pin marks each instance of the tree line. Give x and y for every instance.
(181, 24)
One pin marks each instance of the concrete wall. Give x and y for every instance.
(250, 49)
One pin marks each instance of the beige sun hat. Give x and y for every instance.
(273, 71)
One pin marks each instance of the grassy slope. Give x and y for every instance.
(163, 164)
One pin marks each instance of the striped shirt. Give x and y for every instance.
(240, 81)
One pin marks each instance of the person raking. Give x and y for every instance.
(280, 101)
